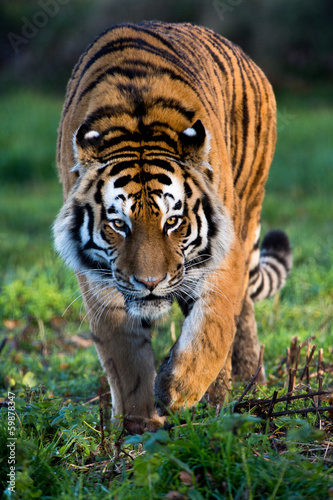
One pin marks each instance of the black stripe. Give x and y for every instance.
(112, 210)
(137, 137)
(78, 217)
(98, 194)
(124, 165)
(186, 304)
(133, 152)
(106, 111)
(162, 164)
(270, 279)
(276, 256)
(276, 271)
(188, 190)
(171, 103)
(122, 181)
(196, 243)
(207, 208)
(126, 152)
(196, 206)
(163, 179)
(245, 126)
(157, 192)
(89, 185)
(260, 288)
(254, 271)
(90, 213)
(144, 177)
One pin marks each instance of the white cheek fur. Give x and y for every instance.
(84, 231)
(63, 241)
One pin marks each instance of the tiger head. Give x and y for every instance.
(145, 221)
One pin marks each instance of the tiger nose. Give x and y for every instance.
(150, 282)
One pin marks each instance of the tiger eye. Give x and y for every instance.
(118, 223)
(171, 221)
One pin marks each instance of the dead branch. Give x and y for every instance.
(308, 361)
(302, 411)
(250, 384)
(259, 402)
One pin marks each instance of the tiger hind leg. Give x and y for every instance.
(245, 353)
(269, 270)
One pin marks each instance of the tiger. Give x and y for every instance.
(164, 146)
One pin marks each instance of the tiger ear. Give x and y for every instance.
(85, 143)
(194, 142)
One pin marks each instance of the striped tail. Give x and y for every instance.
(269, 269)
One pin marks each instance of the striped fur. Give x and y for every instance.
(270, 272)
(165, 143)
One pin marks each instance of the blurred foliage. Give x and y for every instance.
(28, 141)
(291, 41)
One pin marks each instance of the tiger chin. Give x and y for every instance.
(165, 143)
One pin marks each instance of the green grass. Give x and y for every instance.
(203, 455)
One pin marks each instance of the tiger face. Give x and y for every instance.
(146, 225)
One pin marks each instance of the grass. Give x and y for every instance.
(205, 454)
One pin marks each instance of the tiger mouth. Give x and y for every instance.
(150, 299)
(150, 306)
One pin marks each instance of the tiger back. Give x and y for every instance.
(165, 143)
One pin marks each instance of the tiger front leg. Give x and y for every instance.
(246, 349)
(243, 357)
(128, 360)
(125, 351)
(203, 347)
(197, 357)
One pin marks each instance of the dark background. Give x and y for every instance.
(291, 40)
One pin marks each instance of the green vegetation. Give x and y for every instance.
(60, 450)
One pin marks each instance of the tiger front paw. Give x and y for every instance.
(139, 425)
(135, 424)
(175, 389)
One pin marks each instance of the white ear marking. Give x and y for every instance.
(92, 134)
(190, 132)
